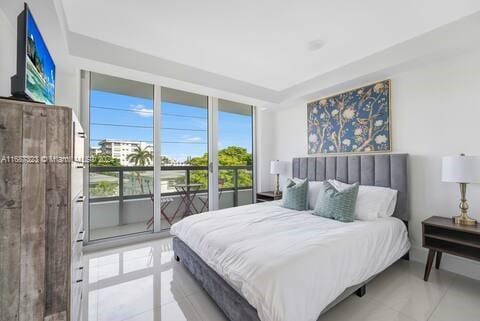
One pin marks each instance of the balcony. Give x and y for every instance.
(121, 197)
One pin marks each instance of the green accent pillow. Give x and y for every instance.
(295, 195)
(335, 204)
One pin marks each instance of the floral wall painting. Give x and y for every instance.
(351, 122)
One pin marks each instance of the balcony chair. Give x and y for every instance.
(204, 198)
(164, 202)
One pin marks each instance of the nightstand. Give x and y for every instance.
(441, 235)
(267, 197)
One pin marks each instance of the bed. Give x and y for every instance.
(265, 262)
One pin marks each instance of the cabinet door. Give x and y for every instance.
(10, 209)
(57, 181)
(77, 220)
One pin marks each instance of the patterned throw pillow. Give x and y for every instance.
(335, 204)
(295, 195)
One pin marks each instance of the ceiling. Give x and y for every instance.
(261, 43)
(254, 52)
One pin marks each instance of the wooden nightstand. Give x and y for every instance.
(267, 197)
(440, 235)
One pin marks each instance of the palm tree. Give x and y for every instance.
(141, 157)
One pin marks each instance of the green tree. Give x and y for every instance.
(165, 160)
(230, 156)
(141, 157)
(105, 189)
(234, 155)
(102, 160)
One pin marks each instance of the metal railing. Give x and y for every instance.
(118, 174)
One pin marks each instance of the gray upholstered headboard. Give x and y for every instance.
(387, 170)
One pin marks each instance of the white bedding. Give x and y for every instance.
(287, 264)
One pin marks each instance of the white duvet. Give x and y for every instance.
(287, 264)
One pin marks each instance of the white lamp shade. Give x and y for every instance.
(275, 167)
(278, 167)
(461, 169)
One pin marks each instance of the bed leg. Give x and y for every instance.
(177, 258)
(361, 291)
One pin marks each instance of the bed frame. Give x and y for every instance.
(387, 170)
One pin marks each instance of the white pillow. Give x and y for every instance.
(372, 201)
(391, 206)
(313, 191)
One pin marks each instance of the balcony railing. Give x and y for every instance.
(135, 182)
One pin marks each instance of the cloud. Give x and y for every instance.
(192, 139)
(142, 110)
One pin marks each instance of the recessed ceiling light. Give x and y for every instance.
(315, 45)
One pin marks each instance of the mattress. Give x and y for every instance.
(289, 265)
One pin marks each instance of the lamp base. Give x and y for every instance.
(464, 220)
(276, 192)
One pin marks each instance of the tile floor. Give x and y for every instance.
(144, 283)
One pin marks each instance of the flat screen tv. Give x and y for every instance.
(35, 78)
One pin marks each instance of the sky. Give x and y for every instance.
(184, 128)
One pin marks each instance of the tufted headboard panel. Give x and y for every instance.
(387, 170)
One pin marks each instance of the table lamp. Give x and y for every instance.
(463, 170)
(276, 168)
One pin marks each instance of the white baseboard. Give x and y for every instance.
(455, 264)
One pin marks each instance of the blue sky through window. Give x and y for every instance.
(184, 128)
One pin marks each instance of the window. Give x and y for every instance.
(121, 179)
(204, 147)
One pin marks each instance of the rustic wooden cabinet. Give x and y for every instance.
(40, 213)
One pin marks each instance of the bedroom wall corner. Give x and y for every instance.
(265, 149)
(7, 53)
(68, 90)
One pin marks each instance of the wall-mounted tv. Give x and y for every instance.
(35, 78)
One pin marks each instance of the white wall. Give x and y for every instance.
(67, 90)
(435, 112)
(8, 41)
(264, 147)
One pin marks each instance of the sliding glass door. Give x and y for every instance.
(235, 154)
(191, 125)
(158, 155)
(121, 157)
(184, 155)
